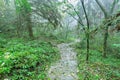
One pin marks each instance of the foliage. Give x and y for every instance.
(48, 10)
(64, 34)
(98, 67)
(7, 15)
(114, 45)
(25, 60)
(22, 5)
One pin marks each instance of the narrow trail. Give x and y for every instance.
(66, 67)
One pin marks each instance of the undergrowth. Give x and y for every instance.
(24, 59)
(99, 68)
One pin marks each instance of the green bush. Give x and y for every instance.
(25, 60)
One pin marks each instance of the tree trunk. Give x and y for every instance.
(87, 56)
(87, 33)
(29, 26)
(105, 42)
(18, 25)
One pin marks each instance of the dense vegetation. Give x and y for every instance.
(98, 66)
(30, 31)
(25, 60)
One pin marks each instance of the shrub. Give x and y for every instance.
(25, 60)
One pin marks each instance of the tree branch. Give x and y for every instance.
(102, 8)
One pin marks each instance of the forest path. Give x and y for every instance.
(66, 67)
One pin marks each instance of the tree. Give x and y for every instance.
(23, 9)
(1, 12)
(87, 31)
(48, 10)
(7, 15)
(107, 23)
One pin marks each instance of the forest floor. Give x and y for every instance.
(66, 67)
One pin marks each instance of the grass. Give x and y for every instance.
(24, 59)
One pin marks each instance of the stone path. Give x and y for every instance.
(66, 67)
